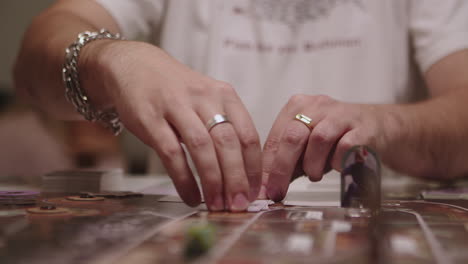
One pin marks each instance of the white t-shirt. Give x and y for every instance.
(367, 51)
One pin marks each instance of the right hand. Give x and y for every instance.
(164, 103)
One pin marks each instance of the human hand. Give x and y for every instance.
(164, 103)
(335, 128)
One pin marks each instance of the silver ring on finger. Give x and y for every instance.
(216, 120)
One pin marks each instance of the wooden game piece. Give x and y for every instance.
(199, 239)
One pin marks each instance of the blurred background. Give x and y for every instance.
(32, 144)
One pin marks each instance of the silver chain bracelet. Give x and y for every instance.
(73, 91)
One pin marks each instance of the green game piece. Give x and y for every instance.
(199, 239)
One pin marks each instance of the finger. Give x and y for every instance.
(200, 146)
(250, 144)
(229, 153)
(298, 169)
(173, 157)
(270, 149)
(292, 144)
(228, 149)
(167, 145)
(347, 141)
(321, 142)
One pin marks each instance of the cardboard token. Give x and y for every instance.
(115, 194)
(56, 210)
(90, 199)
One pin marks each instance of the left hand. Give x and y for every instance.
(336, 127)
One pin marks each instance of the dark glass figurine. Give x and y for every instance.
(360, 179)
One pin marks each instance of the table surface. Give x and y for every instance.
(145, 230)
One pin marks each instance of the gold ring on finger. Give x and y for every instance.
(305, 120)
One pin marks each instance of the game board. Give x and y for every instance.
(144, 230)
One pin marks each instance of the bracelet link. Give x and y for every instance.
(73, 91)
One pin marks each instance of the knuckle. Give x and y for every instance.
(236, 178)
(168, 152)
(224, 136)
(294, 136)
(322, 99)
(212, 182)
(224, 87)
(298, 99)
(249, 139)
(271, 144)
(176, 105)
(277, 171)
(198, 140)
(199, 88)
(320, 137)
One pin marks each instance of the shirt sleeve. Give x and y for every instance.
(438, 28)
(137, 19)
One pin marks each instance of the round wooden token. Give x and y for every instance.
(78, 198)
(57, 210)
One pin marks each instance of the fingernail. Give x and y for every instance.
(239, 203)
(218, 204)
